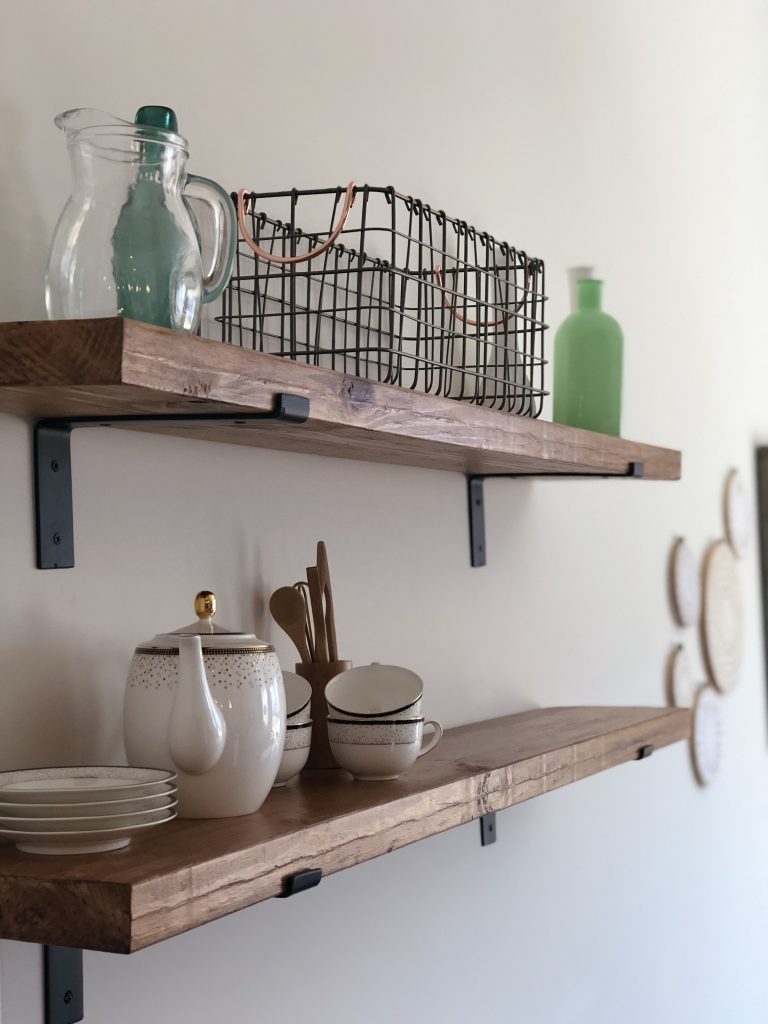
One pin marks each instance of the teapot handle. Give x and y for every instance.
(197, 731)
(224, 229)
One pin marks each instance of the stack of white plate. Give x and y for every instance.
(83, 810)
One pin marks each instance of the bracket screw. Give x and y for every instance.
(55, 465)
(68, 996)
(57, 538)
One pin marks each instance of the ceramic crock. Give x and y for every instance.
(208, 703)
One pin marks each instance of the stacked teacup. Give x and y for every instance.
(298, 729)
(375, 724)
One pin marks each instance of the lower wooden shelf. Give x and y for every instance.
(191, 872)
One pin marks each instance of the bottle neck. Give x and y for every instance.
(589, 294)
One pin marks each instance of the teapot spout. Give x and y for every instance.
(197, 731)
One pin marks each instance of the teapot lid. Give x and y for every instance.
(211, 634)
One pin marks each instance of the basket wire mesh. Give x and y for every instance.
(390, 290)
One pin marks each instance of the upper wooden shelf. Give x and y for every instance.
(189, 872)
(115, 367)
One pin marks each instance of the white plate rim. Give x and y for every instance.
(5, 806)
(160, 776)
(95, 817)
(65, 837)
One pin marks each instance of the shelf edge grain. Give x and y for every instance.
(114, 366)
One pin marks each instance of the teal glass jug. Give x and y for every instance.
(589, 357)
(127, 242)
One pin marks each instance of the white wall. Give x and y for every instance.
(629, 135)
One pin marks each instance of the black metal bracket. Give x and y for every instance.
(54, 526)
(644, 751)
(300, 882)
(476, 499)
(63, 984)
(488, 828)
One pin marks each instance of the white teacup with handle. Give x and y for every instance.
(380, 750)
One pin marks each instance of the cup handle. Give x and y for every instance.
(438, 735)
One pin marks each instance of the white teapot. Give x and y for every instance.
(209, 704)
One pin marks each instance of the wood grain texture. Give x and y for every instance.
(113, 366)
(190, 872)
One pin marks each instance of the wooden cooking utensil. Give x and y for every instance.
(325, 587)
(288, 611)
(303, 588)
(316, 600)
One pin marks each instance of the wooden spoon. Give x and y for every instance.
(287, 607)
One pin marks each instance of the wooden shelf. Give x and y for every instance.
(190, 872)
(114, 367)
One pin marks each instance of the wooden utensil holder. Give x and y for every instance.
(317, 675)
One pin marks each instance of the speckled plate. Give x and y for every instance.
(82, 784)
(86, 841)
(91, 808)
(85, 823)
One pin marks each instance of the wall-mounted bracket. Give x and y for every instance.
(476, 499)
(54, 526)
(63, 984)
(488, 828)
(300, 882)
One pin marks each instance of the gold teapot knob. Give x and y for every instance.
(205, 604)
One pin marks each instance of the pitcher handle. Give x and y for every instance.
(225, 230)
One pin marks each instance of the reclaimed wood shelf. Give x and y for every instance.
(187, 873)
(113, 367)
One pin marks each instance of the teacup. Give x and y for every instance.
(382, 692)
(298, 698)
(404, 715)
(298, 738)
(381, 750)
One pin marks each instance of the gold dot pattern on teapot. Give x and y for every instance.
(226, 670)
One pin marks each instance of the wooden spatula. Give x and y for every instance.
(325, 587)
(287, 608)
(316, 600)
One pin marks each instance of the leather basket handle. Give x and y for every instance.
(474, 323)
(242, 198)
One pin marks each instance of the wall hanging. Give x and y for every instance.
(736, 514)
(684, 584)
(712, 600)
(680, 684)
(722, 617)
(706, 735)
(380, 285)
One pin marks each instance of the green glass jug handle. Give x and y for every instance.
(225, 231)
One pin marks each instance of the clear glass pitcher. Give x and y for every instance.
(128, 242)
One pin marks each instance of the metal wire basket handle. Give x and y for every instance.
(494, 323)
(349, 202)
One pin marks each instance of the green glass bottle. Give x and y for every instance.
(589, 357)
(150, 249)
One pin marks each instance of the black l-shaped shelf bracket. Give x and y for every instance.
(476, 498)
(63, 984)
(54, 526)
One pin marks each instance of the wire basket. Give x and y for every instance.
(373, 283)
